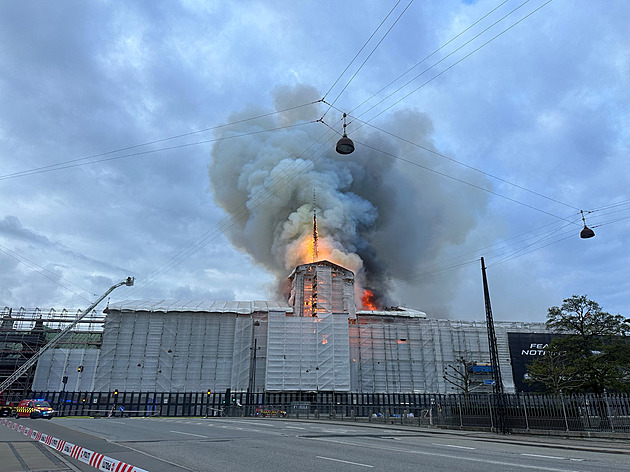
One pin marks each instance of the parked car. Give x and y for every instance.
(34, 409)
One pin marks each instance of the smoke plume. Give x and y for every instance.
(378, 217)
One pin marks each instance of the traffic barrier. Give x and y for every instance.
(91, 458)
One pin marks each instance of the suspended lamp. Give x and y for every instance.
(586, 231)
(345, 144)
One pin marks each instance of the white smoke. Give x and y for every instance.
(375, 217)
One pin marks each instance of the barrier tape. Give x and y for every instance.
(91, 458)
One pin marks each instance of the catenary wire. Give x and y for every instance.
(153, 151)
(44, 272)
(69, 163)
(362, 48)
(439, 74)
(439, 154)
(372, 52)
(427, 57)
(449, 55)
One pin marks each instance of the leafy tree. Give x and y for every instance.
(594, 353)
(553, 372)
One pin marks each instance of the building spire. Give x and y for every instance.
(315, 250)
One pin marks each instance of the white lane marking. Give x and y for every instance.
(551, 457)
(114, 421)
(345, 462)
(435, 454)
(453, 445)
(189, 434)
(293, 427)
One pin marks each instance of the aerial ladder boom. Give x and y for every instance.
(50, 344)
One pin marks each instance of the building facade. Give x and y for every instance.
(318, 342)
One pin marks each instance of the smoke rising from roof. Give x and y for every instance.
(378, 217)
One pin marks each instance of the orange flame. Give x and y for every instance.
(305, 253)
(369, 300)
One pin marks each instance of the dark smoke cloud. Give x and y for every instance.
(380, 218)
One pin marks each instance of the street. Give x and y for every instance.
(266, 445)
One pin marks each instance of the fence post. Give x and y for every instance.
(564, 411)
(459, 408)
(490, 410)
(525, 410)
(610, 420)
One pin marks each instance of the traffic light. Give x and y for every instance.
(209, 392)
(116, 392)
(80, 368)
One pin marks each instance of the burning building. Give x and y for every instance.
(317, 342)
(322, 288)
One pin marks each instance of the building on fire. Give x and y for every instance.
(317, 341)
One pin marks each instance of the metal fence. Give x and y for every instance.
(508, 412)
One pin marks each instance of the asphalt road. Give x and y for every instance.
(272, 445)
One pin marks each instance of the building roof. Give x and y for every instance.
(323, 262)
(199, 306)
(394, 311)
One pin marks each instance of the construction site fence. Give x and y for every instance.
(505, 412)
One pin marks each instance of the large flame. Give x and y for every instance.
(369, 300)
(302, 251)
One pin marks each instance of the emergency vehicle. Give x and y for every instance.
(6, 408)
(34, 409)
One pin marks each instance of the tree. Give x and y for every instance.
(553, 372)
(592, 355)
(460, 375)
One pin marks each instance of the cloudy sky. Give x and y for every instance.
(181, 143)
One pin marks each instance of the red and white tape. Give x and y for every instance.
(94, 459)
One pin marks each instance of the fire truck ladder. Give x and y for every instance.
(30, 362)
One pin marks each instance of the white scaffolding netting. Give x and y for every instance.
(308, 353)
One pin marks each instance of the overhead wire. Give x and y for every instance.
(449, 55)
(236, 215)
(221, 231)
(510, 251)
(44, 272)
(86, 160)
(361, 50)
(427, 57)
(439, 154)
(373, 50)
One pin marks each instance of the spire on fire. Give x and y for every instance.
(315, 255)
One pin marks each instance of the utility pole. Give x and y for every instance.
(497, 385)
(30, 362)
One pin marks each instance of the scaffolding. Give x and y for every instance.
(322, 288)
(25, 331)
(307, 354)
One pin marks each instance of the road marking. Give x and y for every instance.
(189, 434)
(553, 457)
(436, 454)
(345, 462)
(293, 427)
(458, 447)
